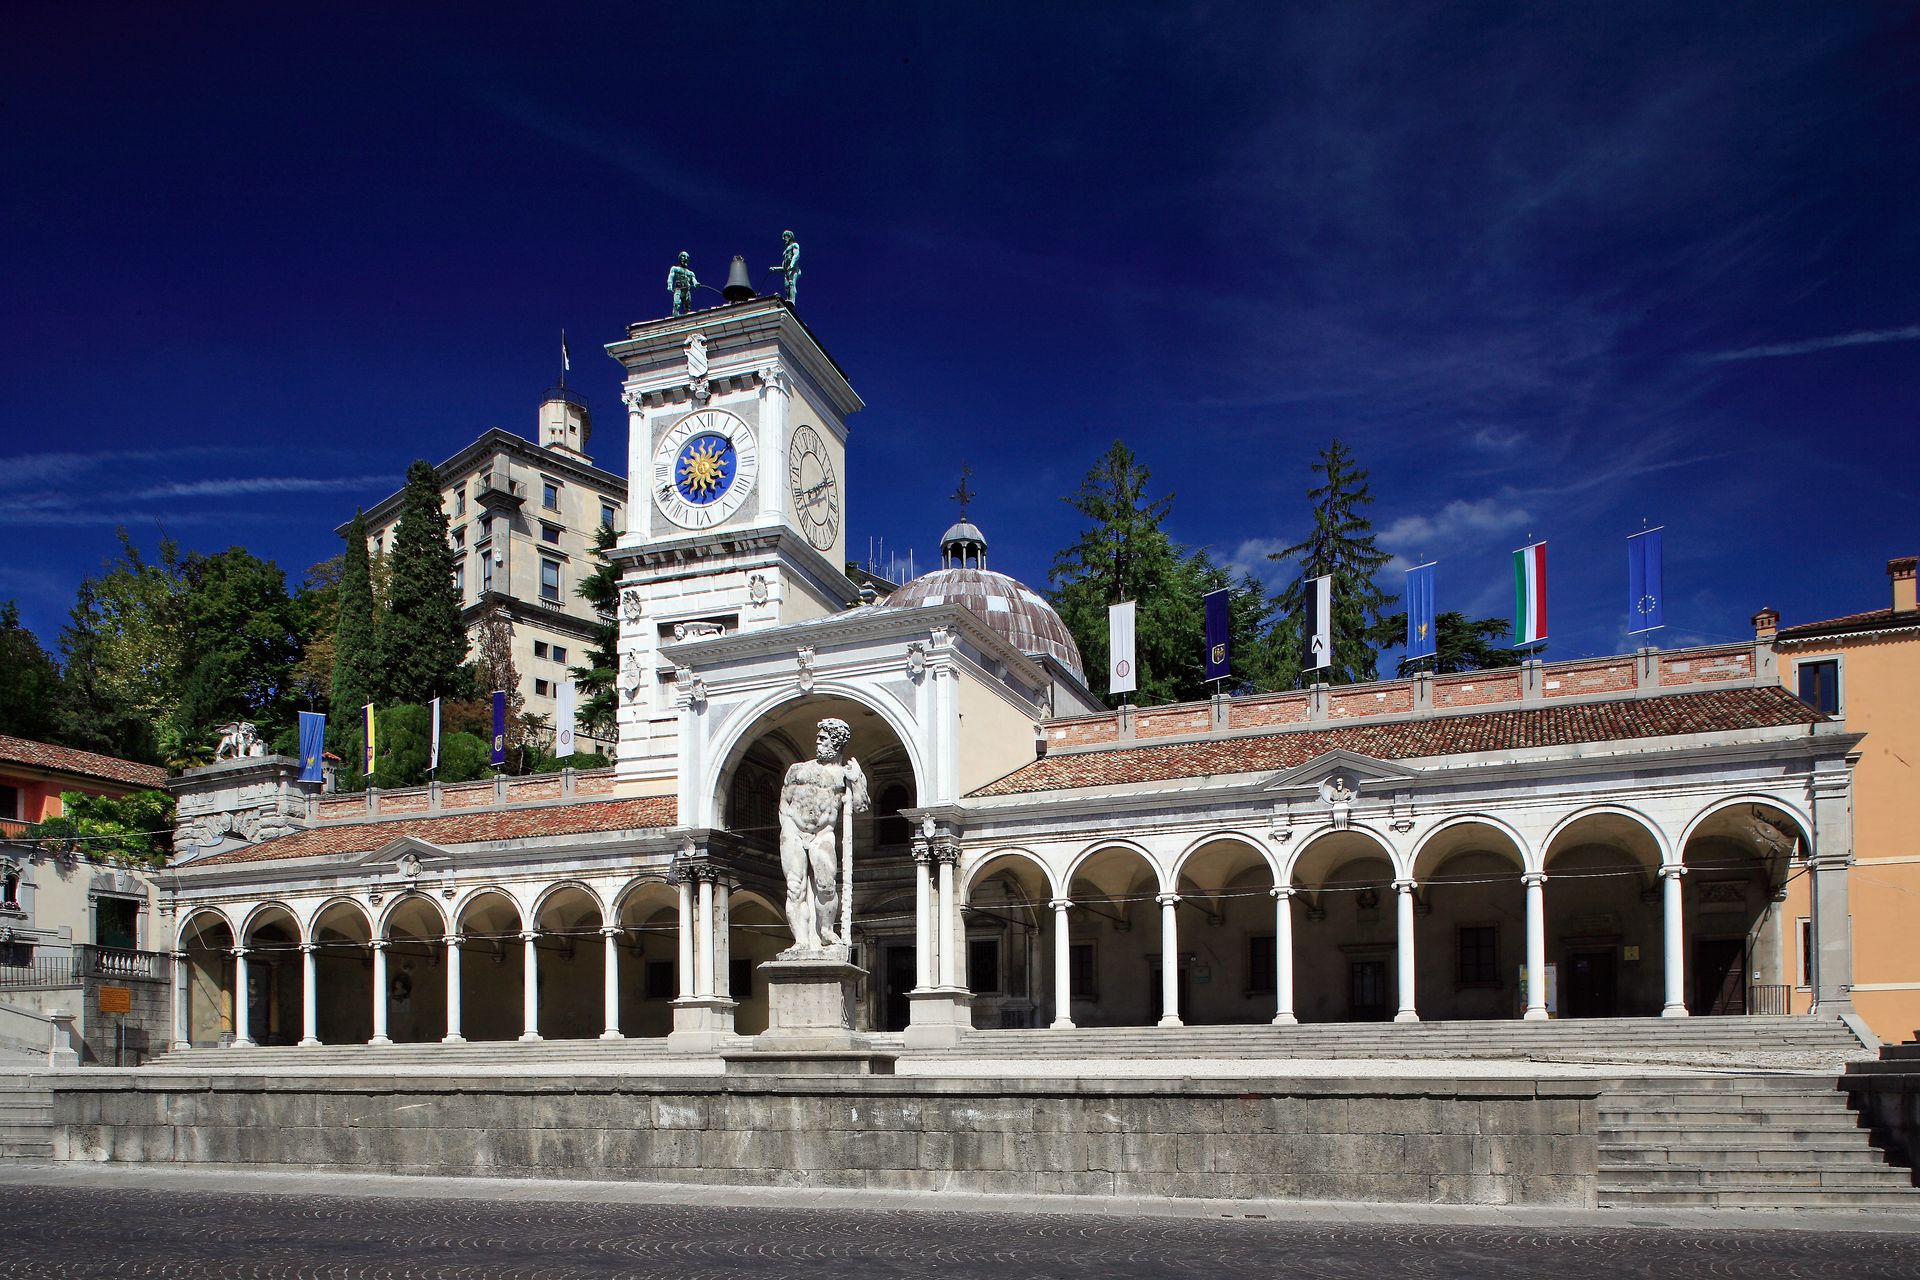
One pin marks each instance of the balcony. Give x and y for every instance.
(493, 491)
(81, 965)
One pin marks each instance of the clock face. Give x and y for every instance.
(816, 493)
(704, 468)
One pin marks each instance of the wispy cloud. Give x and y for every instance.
(238, 486)
(57, 467)
(1457, 521)
(1255, 556)
(1864, 338)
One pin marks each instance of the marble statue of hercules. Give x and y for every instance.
(810, 811)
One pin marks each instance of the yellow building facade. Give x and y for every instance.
(1865, 669)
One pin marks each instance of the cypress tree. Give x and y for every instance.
(599, 699)
(1341, 544)
(421, 643)
(353, 652)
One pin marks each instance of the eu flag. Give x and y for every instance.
(1423, 640)
(1646, 599)
(499, 726)
(313, 745)
(1217, 629)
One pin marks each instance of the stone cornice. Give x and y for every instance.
(492, 440)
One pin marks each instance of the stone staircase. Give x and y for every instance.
(485, 1056)
(1776, 1141)
(26, 1118)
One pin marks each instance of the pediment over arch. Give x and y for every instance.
(1366, 773)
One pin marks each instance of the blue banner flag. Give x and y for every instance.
(1217, 629)
(499, 726)
(1646, 598)
(1423, 640)
(313, 745)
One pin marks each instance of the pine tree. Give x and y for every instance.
(1341, 544)
(599, 699)
(421, 643)
(1460, 643)
(353, 654)
(30, 688)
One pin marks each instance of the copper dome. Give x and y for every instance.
(1018, 613)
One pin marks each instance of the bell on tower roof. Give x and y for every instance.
(963, 546)
(739, 284)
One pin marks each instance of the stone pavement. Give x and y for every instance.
(79, 1221)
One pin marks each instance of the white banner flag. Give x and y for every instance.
(1122, 676)
(563, 714)
(1319, 623)
(433, 746)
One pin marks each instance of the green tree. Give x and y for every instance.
(354, 669)
(595, 680)
(1341, 544)
(317, 607)
(1460, 643)
(421, 643)
(30, 687)
(1124, 553)
(138, 825)
(240, 638)
(123, 655)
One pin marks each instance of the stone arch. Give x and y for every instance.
(415, 929)
(489, 921)
(756, 932)
(341, 933)
(1439, 835)
(547, 894)
(1800, 819)
(1225, 881)
(262, 911)
(1346, 944)
(207, 937)
(1005, 899)
(1596, 816)
(1741, 943)
(411, 899)
(729, 744)
(1603, 917)
(1115, 924)
(1470, 918)
(647, 911)
(978, 869)
(1077, 866)
(276, 973)
(570, 955)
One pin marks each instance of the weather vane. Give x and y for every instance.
(963, 495)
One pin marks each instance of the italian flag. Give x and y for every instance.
(1530, 595)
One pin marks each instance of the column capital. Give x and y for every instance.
(1405, 886)
(1167, 899)
(180, 955)
(454, 939)
(528, 935)
(922, 852)
(308, 948)
(1280, 893)
(1060, 904)
(238, 953)
(611, 930)
(1532, 878)
(1673, 869)
(946, 851)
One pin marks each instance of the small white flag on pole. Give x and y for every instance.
(563, 714)
(433, 746)
(1319, 622)
(566, 365)
(1122, 674)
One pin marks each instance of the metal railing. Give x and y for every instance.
(1770, 997)
(78, 965)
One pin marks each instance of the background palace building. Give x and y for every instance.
(1655, 833)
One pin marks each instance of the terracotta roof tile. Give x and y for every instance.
(1871, 620)
(643, 813)
(85, 764)
(1612, 721)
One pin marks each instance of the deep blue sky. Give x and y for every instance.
(1556, 270)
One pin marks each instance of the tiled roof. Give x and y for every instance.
(1611, 721)
(1871, 620)
(85, 764)
(476, 827)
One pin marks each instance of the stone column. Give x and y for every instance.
(703, 937)
(1062, 966)
(1675, 941)
(1828, 862)
(1536, 884)
(182, 1002)
(612, 934)
(686, 937)
(309, 996)
(1404, 952)
(949, 913)
(379, 992)
(453, 1035)
(530, 988)
(242, 1032)
(923, 918)
(1169, 960)
(1283, 956)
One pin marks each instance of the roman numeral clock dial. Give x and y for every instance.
(816, 493)
(704, 468)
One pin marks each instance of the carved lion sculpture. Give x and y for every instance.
(238, 740)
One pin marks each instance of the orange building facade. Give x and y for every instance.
(1865, 669)
(33, 774)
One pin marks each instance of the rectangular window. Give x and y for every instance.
(559, 653)
(460, 499)
(486, 569)
(983, 965)
(9, 802)
(460, 581)
(542, 688)
(539, 648)
(460, 538)
(116, 923)
(1806, 953)
(1082, 972)
(606, 515)
(1477, 953)
(660, 980)
(1261, 975)
(550, 581)
(1820, 685)
(740, 973)
(550, 533)
(550, 495)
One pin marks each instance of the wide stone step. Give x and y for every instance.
(26, 1148)
(1768, 1175)
(1614, 1196)
(1639, 1155)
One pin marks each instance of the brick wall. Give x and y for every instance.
(1266, 710)
(1347, 704)
(1476, 689)
(1194, 717)
(1570, 680)
(1706, 668)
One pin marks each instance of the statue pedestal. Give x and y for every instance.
(810, 1008)
(701, 1024)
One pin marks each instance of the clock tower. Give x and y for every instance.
(736, 517)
